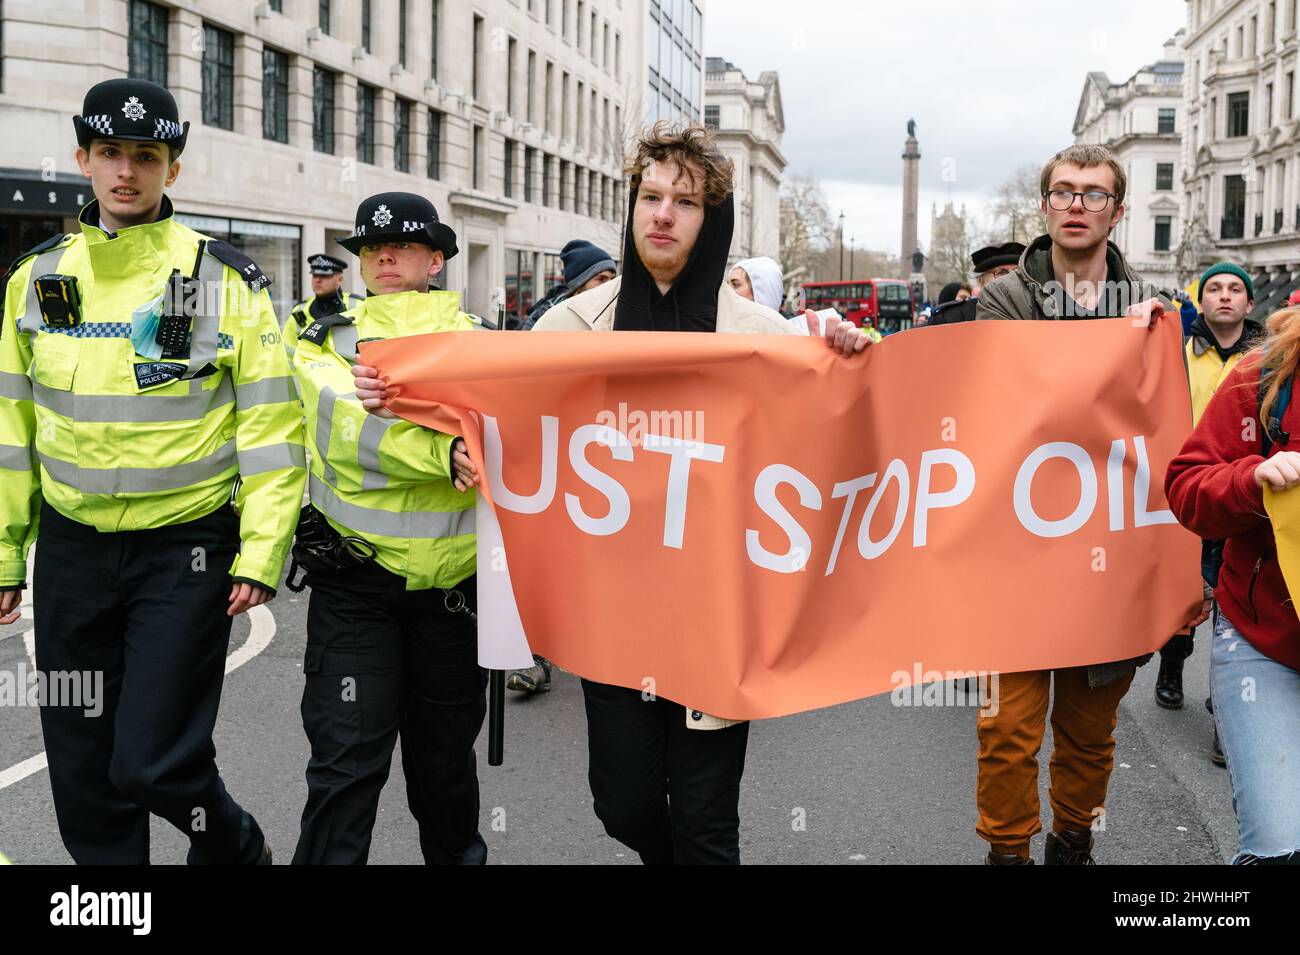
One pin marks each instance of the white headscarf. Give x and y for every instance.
(766, 279)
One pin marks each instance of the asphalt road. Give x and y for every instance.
(866, 782)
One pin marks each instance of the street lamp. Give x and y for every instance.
(851, 247)
(841, 240)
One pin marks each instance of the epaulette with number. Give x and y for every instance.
(319, 328)
(248, 270)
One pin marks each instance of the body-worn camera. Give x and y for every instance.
(60, 300)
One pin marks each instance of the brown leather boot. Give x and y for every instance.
(1068, 847)
(1007, 858)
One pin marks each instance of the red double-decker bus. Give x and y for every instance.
(884, 303)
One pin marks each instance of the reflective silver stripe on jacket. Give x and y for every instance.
(15, 386)
(46, 263)
(142, 480)
(273, 457)
(14, 457)
(423, 525)
(373, 430)
(325, 427)
(267, 391)
(203, 338)
(133, 408)
(345, 341)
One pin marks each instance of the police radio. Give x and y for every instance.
(180, 304)
(60, 300)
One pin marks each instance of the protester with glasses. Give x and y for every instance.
(1073, 272)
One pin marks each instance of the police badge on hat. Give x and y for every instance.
(130, 109)
(399, 217)
(322, 264)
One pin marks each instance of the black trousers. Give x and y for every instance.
(147, 610)
(384, 662)
(670, 793)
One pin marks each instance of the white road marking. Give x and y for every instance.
(262, 629)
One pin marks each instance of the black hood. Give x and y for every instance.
(1200, 332)
(691, 305)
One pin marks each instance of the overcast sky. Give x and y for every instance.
(992, 86)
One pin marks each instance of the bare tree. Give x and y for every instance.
(1016, 215)
(806, 226)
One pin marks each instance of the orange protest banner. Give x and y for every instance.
(754, 526)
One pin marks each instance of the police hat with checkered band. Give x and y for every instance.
(130, 109)
(399, 217)
(322, 264)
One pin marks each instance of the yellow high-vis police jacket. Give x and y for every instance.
(385, 480)
(307, 311)
(122, 442)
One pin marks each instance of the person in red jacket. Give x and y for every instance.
(1215, 488)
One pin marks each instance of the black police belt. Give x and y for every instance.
(319, 549)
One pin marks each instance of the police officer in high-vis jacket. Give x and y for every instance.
(327, 298)
(150, 432)
(389, 549)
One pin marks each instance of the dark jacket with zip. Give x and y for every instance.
(1212, 491)
(1029, 294)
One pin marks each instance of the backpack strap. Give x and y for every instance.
(1273, 432)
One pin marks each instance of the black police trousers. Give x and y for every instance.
(668, 792)
(384, 662)
(147, 611)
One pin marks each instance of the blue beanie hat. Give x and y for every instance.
(1226, 268)
(582, 261)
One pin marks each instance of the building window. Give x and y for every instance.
(1290, 95)
(218, 77)
(508, 176)
(322, 111)
(564, 19)
(476, 159)
(1165, 120)
(402, 136)
(579, 109)
(365, 123)
(1162, 233)
(512, 48)
(1238, 114)
(435, 145)
(547, 92)
(147, 43)
(547, 189)
(433, 44)
(324, 16)
(711, 116)
(476, 50)
(564, 106)
(565, 205)
(365, 25)
(577, 27)
(530, 162)
(519, 286)
(275, 95)
(530, 86)
(1164, 175)
(401, 33)
(593, 202)
(1233, 225)
(618, 53)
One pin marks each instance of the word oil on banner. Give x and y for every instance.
(756, 526)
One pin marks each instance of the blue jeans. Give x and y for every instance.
(1257, 708)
